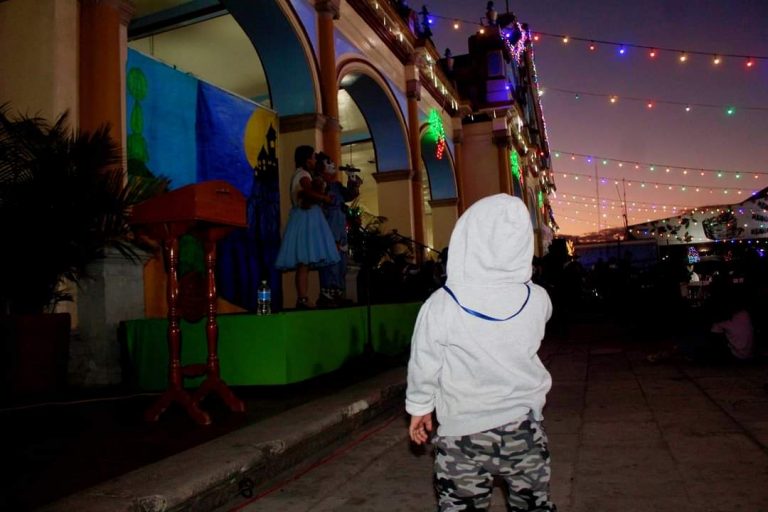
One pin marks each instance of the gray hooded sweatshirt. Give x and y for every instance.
(479, 373)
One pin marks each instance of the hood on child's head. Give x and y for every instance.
(492, 244)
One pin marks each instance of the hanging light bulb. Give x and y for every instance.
(687, 108)
(592, 46)
(683, 57)
(536, 37)
(565, 39)
(652, 53)
(613, 99)
(456, 25)
(716, 60)
(622, 50)
(650, 104)
(750, 62)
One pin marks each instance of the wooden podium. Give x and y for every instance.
(209, 211)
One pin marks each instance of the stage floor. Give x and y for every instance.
(281, 348)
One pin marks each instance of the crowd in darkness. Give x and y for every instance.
(652, 298)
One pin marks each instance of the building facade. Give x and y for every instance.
(359, 79)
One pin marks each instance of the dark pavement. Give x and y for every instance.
(625, 435)
(83, 438)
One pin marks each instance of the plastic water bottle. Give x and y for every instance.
(264, 299)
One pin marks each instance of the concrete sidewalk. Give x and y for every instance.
(625, 435)
(631, 436)
(203, 477)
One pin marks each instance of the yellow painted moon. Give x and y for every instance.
(255, 136)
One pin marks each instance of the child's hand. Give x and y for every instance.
(420, 425)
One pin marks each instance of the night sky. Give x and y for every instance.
(703, 138)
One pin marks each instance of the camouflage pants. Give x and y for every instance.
(465, 467)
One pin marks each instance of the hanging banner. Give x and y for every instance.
(191, 131)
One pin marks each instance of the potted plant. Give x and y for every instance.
(64, 200)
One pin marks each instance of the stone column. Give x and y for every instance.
(503, 141)
(413, 93)
(458, 162)
(482, 162)
(327, 12)
(394, 190)
(103, 53)
(444, 216)
(112, 292)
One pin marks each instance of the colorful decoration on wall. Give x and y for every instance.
(514, 165)
(693, 255)
(438, 132)
(516, 38)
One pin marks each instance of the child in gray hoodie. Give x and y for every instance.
(473, 361)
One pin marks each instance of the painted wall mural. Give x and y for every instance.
(190, 131)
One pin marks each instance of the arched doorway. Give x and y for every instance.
(220, 83)
(439, 179)
(374, 139)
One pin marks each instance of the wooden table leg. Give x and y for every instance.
(175, 391)
(213, 382)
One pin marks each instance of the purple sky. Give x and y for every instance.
(628, 130)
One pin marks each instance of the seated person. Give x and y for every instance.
(738, 333)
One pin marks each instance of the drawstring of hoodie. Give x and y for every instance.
(486, 317)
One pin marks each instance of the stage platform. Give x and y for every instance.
(281, 348)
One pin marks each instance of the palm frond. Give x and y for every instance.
(64, 200)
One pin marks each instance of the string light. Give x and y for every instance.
(456, 25)
(653, 51)
(657, 184)
(650, 103)
(593, 199)
(651, 166)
